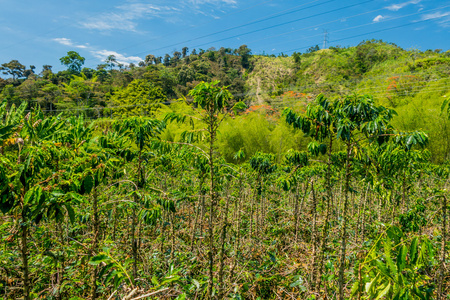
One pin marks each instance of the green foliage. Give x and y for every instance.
(140, 130)
(139, 98)
(14, 68)
(211, 97)
(143, 190)
(73, 61)
(113, 271)
(263, 163)
(296, 158)
(414, 219)
(396, 267)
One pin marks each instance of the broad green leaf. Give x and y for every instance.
(70, 212)
(88, 184)
(369, 285)
(413, 255)
(98, 259)
(196, 283)
(155, 281)
(355, 288)
(384, 292)
(401, 258)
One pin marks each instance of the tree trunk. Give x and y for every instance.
(222, 246)
(114, 224)
(238, 229)
(134, 242)
(212, 194)
(296, 212)
(24, 246)
(440, 294)
(314, 236)
(94, 244)
(197, 211)
(61, 268)
(344, 225)
(172, 250)
(328, 212)
(404, 186)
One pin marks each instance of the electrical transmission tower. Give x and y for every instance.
(325, 39)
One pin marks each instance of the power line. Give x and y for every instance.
(376, 94)
(273, 101)
(336, 83)
(333, 83)
(261, 29)
(205, 23)
(276, 15)
(376, 31)
(285, 23)
(275, 104)
(374, 91)
(296, 20)
(273, 26)
(317, 25)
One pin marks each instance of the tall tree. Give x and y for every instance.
(111, 61)
(244, 52)
(14, 68)
(73, 61)
(175, 58)
(166, 60)
(184, 51)
(149, 59)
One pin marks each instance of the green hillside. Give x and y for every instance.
(412, 82)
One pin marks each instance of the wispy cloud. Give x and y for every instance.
(436, 15)
(103, 54)
(100, 54)
(398, 6)
(127, 15)
(442, 18)
(200, 2)
(68, 42)
(209, 8)
(378, 18)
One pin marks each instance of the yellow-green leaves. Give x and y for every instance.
(395, 267)
(140, 97)
(211, 97)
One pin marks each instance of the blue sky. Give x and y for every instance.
(40, 32)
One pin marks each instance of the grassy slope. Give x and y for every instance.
(413, 83)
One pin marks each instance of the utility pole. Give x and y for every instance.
(325, 39)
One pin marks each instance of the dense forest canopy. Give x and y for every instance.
(218, 174)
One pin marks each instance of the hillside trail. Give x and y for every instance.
(259, 100)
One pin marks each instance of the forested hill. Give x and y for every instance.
(412, 82)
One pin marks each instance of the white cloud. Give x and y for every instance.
(442, 18)
(378, 18)
(200, 2)
(100, 54)
(103, 54)
(436, 15)
(395, 7)
(208, 8)
(68, 42)
(125, 18)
